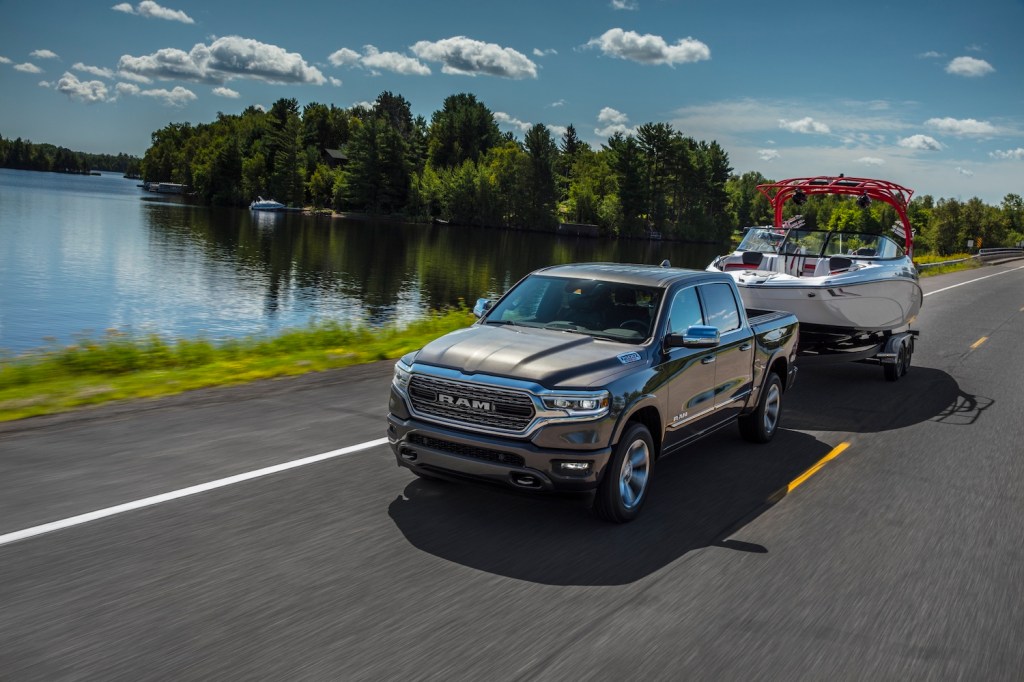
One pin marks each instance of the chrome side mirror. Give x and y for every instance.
(482, 306)
(697, 336)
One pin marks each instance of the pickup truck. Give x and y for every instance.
(582, 376)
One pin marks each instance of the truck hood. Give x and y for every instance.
(553, 359)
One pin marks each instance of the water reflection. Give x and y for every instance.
(84, 256)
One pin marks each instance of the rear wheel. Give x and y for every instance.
(623, 490)
(760, 425)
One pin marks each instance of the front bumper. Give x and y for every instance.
(448, 453)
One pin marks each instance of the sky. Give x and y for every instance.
(927, 94)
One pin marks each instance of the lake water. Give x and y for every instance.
(80, 255)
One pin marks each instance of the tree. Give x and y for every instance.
(462, 130)
(540, 177)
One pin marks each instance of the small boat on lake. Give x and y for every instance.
(262, 204)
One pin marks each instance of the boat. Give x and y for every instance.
(262, 204)
(841, 285)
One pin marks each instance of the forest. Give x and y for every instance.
(458, 167)
(25, 155)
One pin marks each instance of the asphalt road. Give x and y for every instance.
(900, 558)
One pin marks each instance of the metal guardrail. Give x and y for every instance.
(983, 256)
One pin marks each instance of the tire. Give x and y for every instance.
(896, 370)
(760, 425)
(627, 478)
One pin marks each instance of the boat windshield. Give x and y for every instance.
(762, 239)
(851, 244)
(605, 310)
(819, 243)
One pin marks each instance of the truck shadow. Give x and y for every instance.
(698, 496)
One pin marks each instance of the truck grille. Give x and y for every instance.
(471, 404)
(473, 451)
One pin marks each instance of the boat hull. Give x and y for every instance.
(837, 302)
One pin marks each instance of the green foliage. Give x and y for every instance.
(121, 367)
(25, 155)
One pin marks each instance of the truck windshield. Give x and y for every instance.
(606, 310)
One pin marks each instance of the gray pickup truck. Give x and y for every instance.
(582, 376)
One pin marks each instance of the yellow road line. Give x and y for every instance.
(782, 492)
(977, 343)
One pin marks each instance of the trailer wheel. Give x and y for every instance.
(760, 425)
(902, 365)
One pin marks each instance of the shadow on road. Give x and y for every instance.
(855, 398)
(697, 496)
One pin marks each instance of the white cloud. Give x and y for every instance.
(226, 92)
(870, 161)
(502, 118)
(4, 60)
(89, 92)
(964, 171)
(151, 10)
(649, 49)
(931, 54)
(1014, 154)
(137, 78)
(223, 60)
(537, 52)
(178, 97)
(967, 126)
(969, 67)
(45, 84)
(559, 103)
(614, 121)
(43, 54)
(625, 4)
(467, 57)
(557, 131)
(336, 82)
(27, 67)
(920, 142)
(767, 154)
(374, 59)
(344, 57)
(805, 125)
(100, 71)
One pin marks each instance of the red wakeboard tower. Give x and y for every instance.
(798, 189)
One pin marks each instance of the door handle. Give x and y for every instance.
(745, 346)
(707, 360)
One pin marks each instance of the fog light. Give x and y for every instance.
(574, 467)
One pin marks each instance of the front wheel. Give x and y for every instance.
(623, 490)
(760, 425)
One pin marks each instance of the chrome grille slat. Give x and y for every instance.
(512, 410)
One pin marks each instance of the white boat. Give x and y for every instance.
(262, 204)
(837, 283)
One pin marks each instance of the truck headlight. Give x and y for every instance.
(592, 405)
(402, 376)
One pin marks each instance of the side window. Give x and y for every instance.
(721, 307)
(685, 311)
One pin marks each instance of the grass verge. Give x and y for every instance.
(119, 367)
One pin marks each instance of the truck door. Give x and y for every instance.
(734, 357)
(689, 374)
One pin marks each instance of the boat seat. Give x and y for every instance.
(752, 259)
(839, 264)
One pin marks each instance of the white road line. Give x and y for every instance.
(184, 492)
(971, 281)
